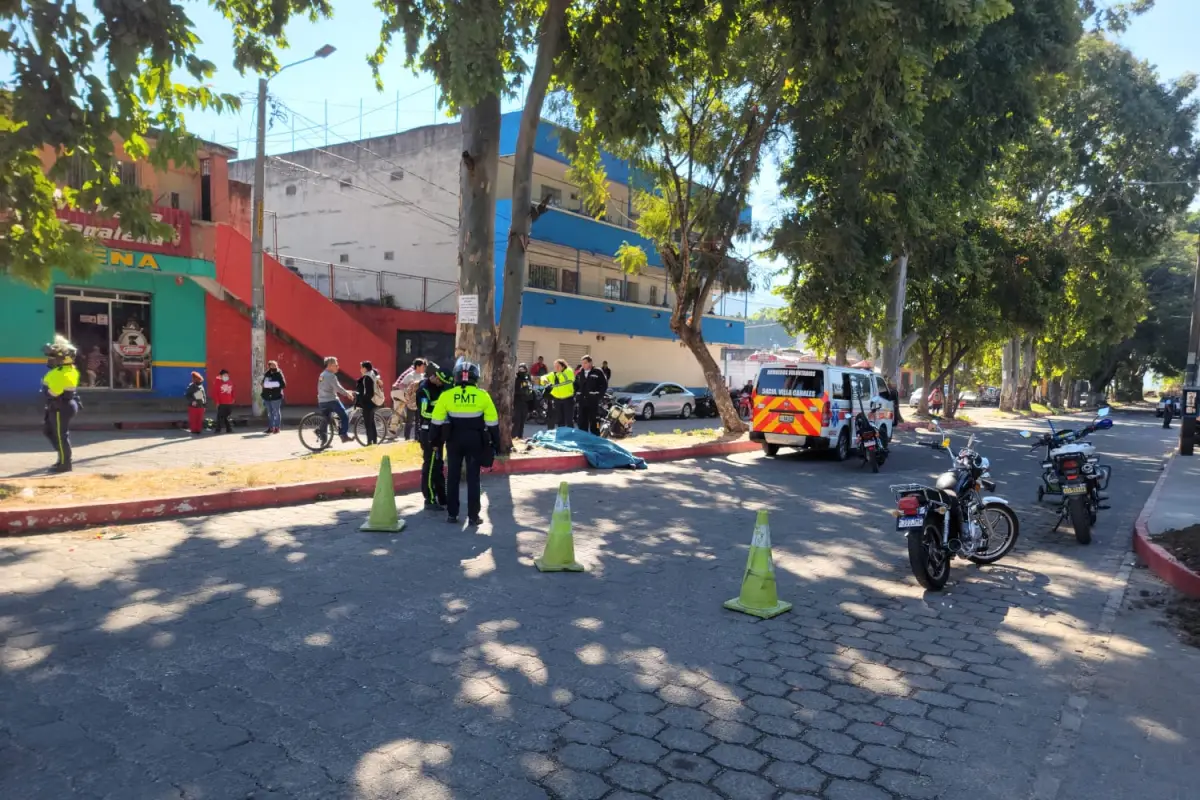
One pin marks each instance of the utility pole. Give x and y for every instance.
(1190, 376)
(258, 308)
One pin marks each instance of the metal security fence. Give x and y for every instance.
(389, 289)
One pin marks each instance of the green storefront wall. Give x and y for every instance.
(177, 321)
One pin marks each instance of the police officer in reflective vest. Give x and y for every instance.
(433, 468)
(562, 393)
(465, 419)
(59, 386)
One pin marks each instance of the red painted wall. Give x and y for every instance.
(228, 342)
(386, 321)
(298, 310)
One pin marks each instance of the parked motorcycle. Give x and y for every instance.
(540, 407)
(616, 419)
(1072, 473)
(954, 517)
(871, 447)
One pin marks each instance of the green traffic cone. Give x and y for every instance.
(559, 555)
(758, 596)
(383, 517)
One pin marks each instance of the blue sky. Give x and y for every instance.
(342, 84)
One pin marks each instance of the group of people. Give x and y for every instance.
(584, 386)
(272, 385)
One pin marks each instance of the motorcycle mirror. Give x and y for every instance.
(1103, 412)
(1104, 424)
(1026, 435)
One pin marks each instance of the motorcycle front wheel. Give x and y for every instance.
(1080, 520)
(1005, 529)
(929, 560)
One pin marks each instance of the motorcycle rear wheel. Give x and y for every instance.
(873, 459)
(1079, 520)
(929, 561)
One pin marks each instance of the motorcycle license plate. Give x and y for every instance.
(916, 521)
(787, 417)
(870, 444)
(1074, 490)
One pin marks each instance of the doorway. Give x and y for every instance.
(112, 333)
(429, 345)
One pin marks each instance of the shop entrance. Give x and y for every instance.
(112, 332)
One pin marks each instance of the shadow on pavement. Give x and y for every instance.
(284, 653)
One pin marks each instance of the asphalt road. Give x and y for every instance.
(282, 653)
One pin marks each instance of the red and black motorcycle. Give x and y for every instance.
(871, 446)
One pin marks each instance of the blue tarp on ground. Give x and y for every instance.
(600, 453)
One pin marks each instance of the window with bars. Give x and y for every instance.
(543, 277)
(343, 258)
(612, 288)
(570, 281)
(127, 173)
(552, 192)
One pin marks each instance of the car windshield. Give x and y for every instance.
(790, 382)
(639, 388)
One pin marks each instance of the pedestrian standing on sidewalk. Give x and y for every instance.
(273, 384)
(197, 401)
(224, 402)
(607, 372)
(562, 396)
(590, 387)
(433, 466)
(522, 400)
(368, 396)
(404, 397)
(60, 384)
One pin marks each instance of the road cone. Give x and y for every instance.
(758, 596)
(559, 555)
(383, 517)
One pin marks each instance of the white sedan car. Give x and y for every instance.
(657, 399)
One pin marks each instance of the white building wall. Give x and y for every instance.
(385, 204)
(631, 358)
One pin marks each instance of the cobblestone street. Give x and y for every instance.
(282, 653)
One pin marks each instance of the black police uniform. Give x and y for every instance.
(465, 419)
(59, 386)
(590, 386)
(433, 472)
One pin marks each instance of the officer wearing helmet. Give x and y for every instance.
(465, 419)
(433, 474)
(59, 385)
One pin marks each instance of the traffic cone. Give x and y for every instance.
(383, 517)
(758, 596)
(559, 555)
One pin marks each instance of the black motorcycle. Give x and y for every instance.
(871, 447)
(539, 407)
(954, 517)
(1072, 474)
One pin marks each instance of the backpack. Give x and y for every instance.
(410, 392)
(377, 398)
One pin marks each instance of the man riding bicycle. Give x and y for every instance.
(328, 390)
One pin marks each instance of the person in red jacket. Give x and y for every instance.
(224, 402)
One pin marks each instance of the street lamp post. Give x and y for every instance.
(258, 312)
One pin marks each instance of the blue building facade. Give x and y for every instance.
(576, 300)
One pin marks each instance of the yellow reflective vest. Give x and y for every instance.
(562, 384)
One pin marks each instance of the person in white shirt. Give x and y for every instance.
(404, 395)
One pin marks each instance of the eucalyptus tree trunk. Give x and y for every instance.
(1025, 349)
(477, 230)
(895, 344)
(524, 213)
(1010, 358)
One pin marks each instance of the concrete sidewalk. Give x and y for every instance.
(1176, 506)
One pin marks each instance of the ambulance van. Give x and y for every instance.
(812, 406)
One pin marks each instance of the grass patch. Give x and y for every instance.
(80, 488)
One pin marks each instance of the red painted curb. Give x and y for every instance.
(1162, 563)
(44, 520)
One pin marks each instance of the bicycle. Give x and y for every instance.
(383, 425)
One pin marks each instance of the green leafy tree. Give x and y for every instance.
(89, 85)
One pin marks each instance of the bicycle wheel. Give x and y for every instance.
(384, 419)
(315, 432)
